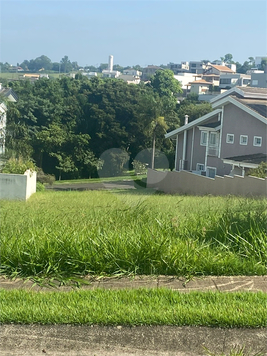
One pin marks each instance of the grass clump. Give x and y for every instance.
(235, 351)
(134, 307)
(63, 234)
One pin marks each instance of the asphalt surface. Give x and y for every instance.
(70, 340)
(122, 184)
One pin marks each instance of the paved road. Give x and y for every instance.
(127, 184)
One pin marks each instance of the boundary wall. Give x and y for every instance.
(184, 182)
(17, 186)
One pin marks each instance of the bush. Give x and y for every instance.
(260, 171)
(18, 166)
(39, 187)
(139, 167)
(45, 178)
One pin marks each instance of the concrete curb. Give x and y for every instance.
(71, 340)
(214, 283)
(142, 340)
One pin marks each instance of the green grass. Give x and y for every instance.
(236, 351)
(63, 234)
(134, 307)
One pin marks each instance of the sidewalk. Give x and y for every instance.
(214, 283)
(68, 340)
(73, 340)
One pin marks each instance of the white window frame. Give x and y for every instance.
(255, 143)
(228, 140)
(202, 141)
(207, 171)
(241, 140)
(213, 134)
(198, 165)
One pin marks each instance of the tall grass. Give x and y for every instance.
(64, 234)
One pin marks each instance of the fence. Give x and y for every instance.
(184, 182)
(17, 186)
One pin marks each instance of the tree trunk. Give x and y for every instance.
(153, 150)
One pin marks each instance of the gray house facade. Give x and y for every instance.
(229, 140)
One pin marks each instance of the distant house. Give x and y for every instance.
(186, 78)
(149, 71)
(130, 79)
(259, 79)
(229, 140)
(200, 86)
(133, 72)
(9, 95)
(197, 67)
(31, 76)
(218, 69)
(228, 80)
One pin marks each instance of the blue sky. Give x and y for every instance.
(133, 31)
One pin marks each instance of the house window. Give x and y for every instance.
(200, 167)
(225, 81)
(211, 172)
(203, 138)
(243, 140)
(230, 138)
(257, 141)
(213, 139)
(255, 82)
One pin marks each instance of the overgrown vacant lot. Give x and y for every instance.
(62, 234)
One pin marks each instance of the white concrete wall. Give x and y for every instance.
(17, 186)
(184, 182)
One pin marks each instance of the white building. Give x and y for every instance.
(186, 78)
(110, 73)
(133, 72)
(10, 96)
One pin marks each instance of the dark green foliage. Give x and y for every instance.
(66, 124)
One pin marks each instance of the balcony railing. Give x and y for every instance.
(213, 151)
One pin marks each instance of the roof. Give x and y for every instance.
(7, 92)
(152, 66)
(253, 90)
(200, 81)
(222, 68)
(244, 92)
(32, 75)
(212, 125)
(256, 158)
(258, 105)
(196, 122)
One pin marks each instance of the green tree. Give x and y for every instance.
(66, 65)
(263, 63)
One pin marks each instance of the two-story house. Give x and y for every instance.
(230, 139)
(9, 95)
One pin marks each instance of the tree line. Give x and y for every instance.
(65, 65)
(66, 124)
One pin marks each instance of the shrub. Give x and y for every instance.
(39, 187)
(45, 178)
(139, 167)
(18, 166)
(260, 171)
